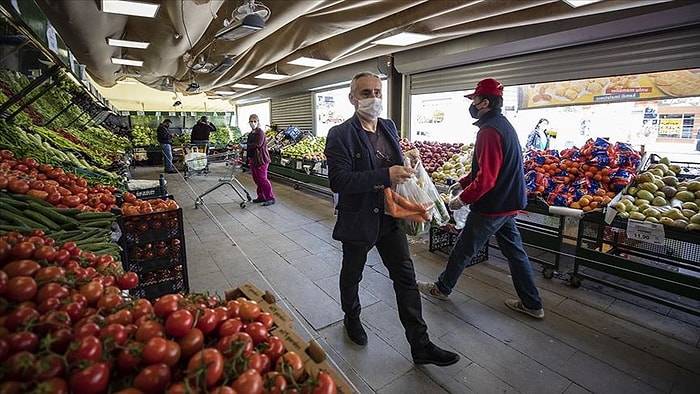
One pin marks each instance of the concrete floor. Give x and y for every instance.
(593, 339)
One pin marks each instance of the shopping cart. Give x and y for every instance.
(234, 162)
(195, 161)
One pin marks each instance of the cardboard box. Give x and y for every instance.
(266, 300)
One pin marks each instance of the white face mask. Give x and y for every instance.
(370, 107)
(253, 124)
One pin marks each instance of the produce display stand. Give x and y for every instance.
(299, 179)
(544, 231)
(153, 246)
(672, 267)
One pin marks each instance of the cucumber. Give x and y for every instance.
(23, 221)
(105, 224)
(27, 199)
(18, 229)
(51, 213)
(36, 216)
(89, 216)
(68, 211)
(7, 199)
(9, 208)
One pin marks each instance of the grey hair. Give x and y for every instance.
(364, 74)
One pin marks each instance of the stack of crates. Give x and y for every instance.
(442, 239)
(153, 246)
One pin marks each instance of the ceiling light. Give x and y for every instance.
(125, 7)
(238, 29)
(243, 86)
(403, 39)
(580, 3)
(128, 44)
(309, 62)
(122, 74)
(224, 92)
(274, 77)
(127, 62)
(127, 82)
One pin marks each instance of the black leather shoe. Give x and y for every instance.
(432, 354)
(355, 331)
(258, 200)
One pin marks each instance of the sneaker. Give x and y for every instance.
(517, 305)
(258, 200)
(355, 331)
(268, 202)
(171, 172)
(430, 289)
(432, 354)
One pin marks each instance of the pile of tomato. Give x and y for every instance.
(46, 182)
(67, 325)
(133, 206)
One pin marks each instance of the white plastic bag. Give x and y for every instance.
(460, 216)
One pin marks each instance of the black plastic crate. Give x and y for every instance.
(150, 227)
(153, 256)
(160, 282)
(442, 240)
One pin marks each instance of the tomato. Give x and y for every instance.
(290, 365)
(20, 288)
(274, 382)
(20, 366)
(18, 186)
(181, 388)
(92, 291)
(50, 366)
(250, 310)
(167, 304)
(257, 331)
(129, 197)
(51, 290)
(109, 302)
(230, 327)
(62, 257)
(55, 385)
(70, 201)
(129, 390)
(257, 361)
(128, 281)
(23, 250)
(21, 317)
(60, 340)
(267, 319)
(155, 350)
(222, 390)
(191, 342)
(3, 282)
(113, 336)
(88, 348)
(50, 273)
(71, 247)
(172, 353)
(22, 267)
(143, 307)
(179, 323)
(234, 308)
(153, 379)
(235, 344)
(22, 341)
(93, 379)
(324, 384)
(221, 313)
(148, 330)
(206, 365)
(207, 321)
(249, 382)
(52, 321)
(74, 309)
(130, 357)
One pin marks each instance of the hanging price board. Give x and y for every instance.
(646, 232)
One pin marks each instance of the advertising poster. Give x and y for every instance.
(660, 85)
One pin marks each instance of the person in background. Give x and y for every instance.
(200, 136)
(364, 158)
(538, 139)
(165, 138)
(495, 188)
(258, 161)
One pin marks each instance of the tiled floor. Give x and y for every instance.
(592, 339)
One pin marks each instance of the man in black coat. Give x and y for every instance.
(165, 137)
(364, 157)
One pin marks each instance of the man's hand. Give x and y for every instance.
(456, 203)
(400, 174)
(455, 189)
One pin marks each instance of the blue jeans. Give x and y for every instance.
(168, 157)
(476, 232)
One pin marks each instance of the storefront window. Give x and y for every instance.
(333, 108)
(658, 110)
(262, 109)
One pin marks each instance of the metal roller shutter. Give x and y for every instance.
(669, 50)
(293, 111)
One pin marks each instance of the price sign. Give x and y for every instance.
(157, 113)
(51, 39)
(646, 232)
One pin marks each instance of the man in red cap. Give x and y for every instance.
(495, 191)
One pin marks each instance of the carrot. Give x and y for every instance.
(399, 207)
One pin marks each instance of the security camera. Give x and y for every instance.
(176, 103)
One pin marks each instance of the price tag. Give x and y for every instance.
(140, 113)
(51, 39)
(157, 113)
(646, 232)
(299, 164)
(171, 113)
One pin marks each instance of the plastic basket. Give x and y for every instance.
(441, 241)
(146, 188)
(150, 227)
(160, 282)
(158, 255)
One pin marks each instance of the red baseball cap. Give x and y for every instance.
(488, 86)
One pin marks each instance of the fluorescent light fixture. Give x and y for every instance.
(243, 86)
(403, 39)
(224, 92)
(127, 82)
(126, 7)
(580, 3)
(274, 77)
(128, 44)
(127, 62)
(132, 75)
(309, 62)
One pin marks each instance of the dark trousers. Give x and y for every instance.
(393, 249)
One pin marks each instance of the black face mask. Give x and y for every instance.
(473, 111)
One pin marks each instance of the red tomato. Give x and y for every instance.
(206, 365)
(249, 382)
(109, 302)
(88, 348)
(235, 344)
(22, 267)
(222, 390)
(55, 385)
(234, 308)
(128, 281)
(191, 343)
(155, 350)
(257, 331)
(167, 304)
(179, 323)
(257, 361)
(290, 365)
(172, 354)
(267, 319)
(130, 357)
(21, 366)
(20, 289)
(22, 341)
(92, 291)
(113, 336)
(51, 290)
(153, 379)
(230, 327)
(90, 380)
(122, 316)
(148, 330)
(23, 250)
(250, 310)
(17, 319)
(49, 304)
(324, 384)
(50, 366)
(3, 282)
(50, 273)
(207, 321)
(274, 382)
